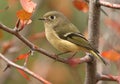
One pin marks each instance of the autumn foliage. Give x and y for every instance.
(112, 55)
(81, 5)
(23, 17)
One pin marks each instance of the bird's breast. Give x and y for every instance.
(58, 43)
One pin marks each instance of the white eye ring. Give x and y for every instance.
(52, 17)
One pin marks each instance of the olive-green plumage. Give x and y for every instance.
(65, 36)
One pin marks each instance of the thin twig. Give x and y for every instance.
(26, 59)
(108, 4)
(24, 69)
(108, 78)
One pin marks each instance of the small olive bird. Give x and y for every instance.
(65, 36)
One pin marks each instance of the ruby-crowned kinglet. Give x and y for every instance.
(65, 36)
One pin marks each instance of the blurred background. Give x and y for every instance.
(51, 70)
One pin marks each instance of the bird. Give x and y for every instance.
(65, 36)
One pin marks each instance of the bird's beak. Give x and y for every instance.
(41, 19)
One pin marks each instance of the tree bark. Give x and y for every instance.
(93, 33)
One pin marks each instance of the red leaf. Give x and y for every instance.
(23, 19)
(28, 5)
(81, 5)
(23, 74)
(113, 24)
(37, 36)
(112, 55)
(22, 56)
(6, 46)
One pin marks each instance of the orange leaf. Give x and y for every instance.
(81, 5)
(28, 5)
(23, 15)
(23, 74)
(22, 56)
(112, 55)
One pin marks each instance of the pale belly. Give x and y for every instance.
(60, 44)
(64, 45)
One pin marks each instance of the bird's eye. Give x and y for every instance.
(52, 17)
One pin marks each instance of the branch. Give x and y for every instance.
(93, 31)
(75, 61)
(72, 61)
(40, 50)
(108, 4)
(24, 69)
(28, 43)
(108, 78)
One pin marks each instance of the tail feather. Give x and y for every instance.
(98, 57)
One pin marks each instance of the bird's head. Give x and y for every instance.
(54, 18)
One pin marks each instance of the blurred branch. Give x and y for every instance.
(24, 69)
(108, 78)
(108, 4)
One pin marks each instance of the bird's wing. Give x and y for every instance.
(79, 39)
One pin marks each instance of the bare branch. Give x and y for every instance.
(108, 4)
(5, 28)
(108, 78)
(24, 69)
(27, 42)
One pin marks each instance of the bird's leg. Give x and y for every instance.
(73, 54)
(70, 59)
(63, 53)
(57, 56)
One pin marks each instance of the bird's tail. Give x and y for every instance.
(98, 57)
